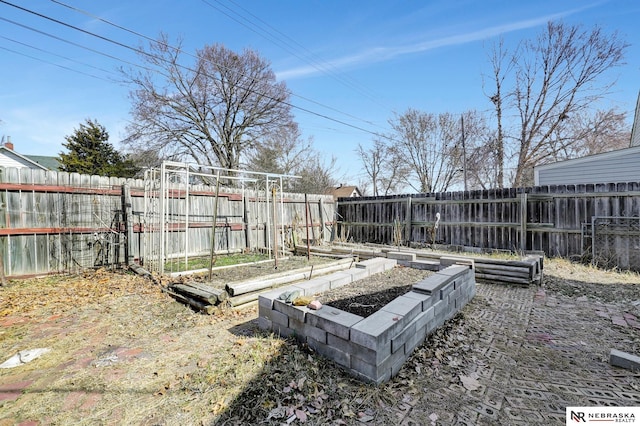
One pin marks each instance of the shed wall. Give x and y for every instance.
(611, 167)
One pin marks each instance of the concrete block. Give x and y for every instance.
(376, 329)
(264, 312)
(406, 307)
(396, 366)
(455, 294)
(398, 341)
(427, 300)
(332, 320)
(425, 265)
(446, 261)
(315, 286)
(422, 319)
(280, 319)
(266, 299)
(372, 356)
(338, 279)
(332, 353)
(341, 344)
(431, 284)
(282, 331)
(294, 312)
(357, 274)
(375, 371)
(440, 311)
(390, 264)
(415, 340)
(624, 360)
(372, 266)
(455, 271)
(315, 333)
(401, 255)
(264, 323)
(447, 289)
(298, 329)
(376, 381)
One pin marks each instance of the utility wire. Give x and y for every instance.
(289, 45)
(178, 50)
(56, 55)
(344, 123)
(27, 27)
(52, 63)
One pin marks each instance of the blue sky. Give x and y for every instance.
(356, 62)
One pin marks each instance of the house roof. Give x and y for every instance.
(345, 191)
(50, 163)
(588, 158)
(11, 153)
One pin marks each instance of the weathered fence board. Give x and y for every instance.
(546, 218)
(57, 221)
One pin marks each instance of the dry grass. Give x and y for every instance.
(125, 353)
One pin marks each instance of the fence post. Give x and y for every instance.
(408, 219)
(523, 222)
(321, 208)
(128, 225)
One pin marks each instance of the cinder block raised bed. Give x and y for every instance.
(373, 349)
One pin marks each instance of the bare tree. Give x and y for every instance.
(384, 166)
(286, 152)
(431, 146)
(552, 79)
(481, 155)
(210, 112)
(501, 67)
(591, 133)
(317, 176)
(283, 151)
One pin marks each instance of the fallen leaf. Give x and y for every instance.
(301, 415)
(301, 382)
(469, 383)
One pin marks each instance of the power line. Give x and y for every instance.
(324, 116)
(27, 27)
(178, 50)
(289, 104)
(52, 63)
(56, 55)
(289, 44)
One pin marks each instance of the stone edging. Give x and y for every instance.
(373, 349)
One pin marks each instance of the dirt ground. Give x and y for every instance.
(123, 352)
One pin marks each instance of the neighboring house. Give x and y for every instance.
(635, 130)
(622, 165)
(10, 158)
(346, 192)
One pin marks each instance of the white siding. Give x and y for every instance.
(622, 165)
(11, 159)
(635, 129)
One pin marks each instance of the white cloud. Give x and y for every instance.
(382, 54)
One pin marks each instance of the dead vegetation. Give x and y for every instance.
(122, 352)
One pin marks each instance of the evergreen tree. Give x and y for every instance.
(91, 153)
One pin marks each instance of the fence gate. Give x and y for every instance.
(614, 241)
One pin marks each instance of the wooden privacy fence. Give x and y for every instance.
(64, 222)
(560, 220)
